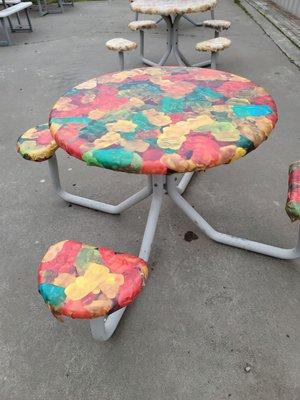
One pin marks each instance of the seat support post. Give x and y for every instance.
(121, 60)
(6, 34)
(102, 328)
(214, 57)
(142, 43)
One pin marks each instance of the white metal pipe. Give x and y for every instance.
(157, 197)
(93, 204)
(103, 328)
(223, 238)
(185, 180)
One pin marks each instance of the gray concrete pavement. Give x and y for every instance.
(208, 310)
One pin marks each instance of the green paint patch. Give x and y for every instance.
(172, 106)
(245, 143)
(114, 158)
(142, 122)
(85, 256)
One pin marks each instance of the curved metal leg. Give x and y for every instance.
(177, 53)
(192, 21)
(165, 57)
(172, 44)
(214, 58)
(103, 328)
(95, 205)
(185, 180)
(277, 252)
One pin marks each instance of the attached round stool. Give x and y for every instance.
(293, 200)
(217, 24)
(142, 25)
(82, 281)
(37, 144)
(213, 46)
(120, 45)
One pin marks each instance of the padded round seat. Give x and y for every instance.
(81, 281)
(120, 44)
(141, 25)
(213, 45)
(217, 24)
(37, 144)
(293, 201)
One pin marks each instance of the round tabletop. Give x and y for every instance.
(163, 120)
(167, 7)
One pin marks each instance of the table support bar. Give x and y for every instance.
(103, 328)
(272, 251)
(93, 204)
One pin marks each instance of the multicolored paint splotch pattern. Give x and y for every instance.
(163, 120)
(37, 144)
(293, 201)
(82, 281)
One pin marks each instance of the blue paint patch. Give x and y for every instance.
(52, 294)
(251, 110)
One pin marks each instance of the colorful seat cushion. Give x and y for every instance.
(37, 144)
(217, 24)
(168, 7)
(120, 44)
(82, 281)
(213, 45)
(163, 120)
(293, 200)
(140, 25)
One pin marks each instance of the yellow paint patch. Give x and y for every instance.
(91, 84)
(157, 118)
(121, 126)
(135, 145)
(107, 140)
(96, 277)
(239, 152)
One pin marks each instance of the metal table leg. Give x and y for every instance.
(172, 44)
(177, 53)
(229, 240)
(103, 328)
(93, 204)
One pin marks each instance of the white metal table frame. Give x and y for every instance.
(158, 185)
(172, 43)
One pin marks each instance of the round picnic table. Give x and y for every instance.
(163, 120)
(172, 11)
(160, 122)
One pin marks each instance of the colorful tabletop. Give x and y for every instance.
(167, 7)
(163, 120)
